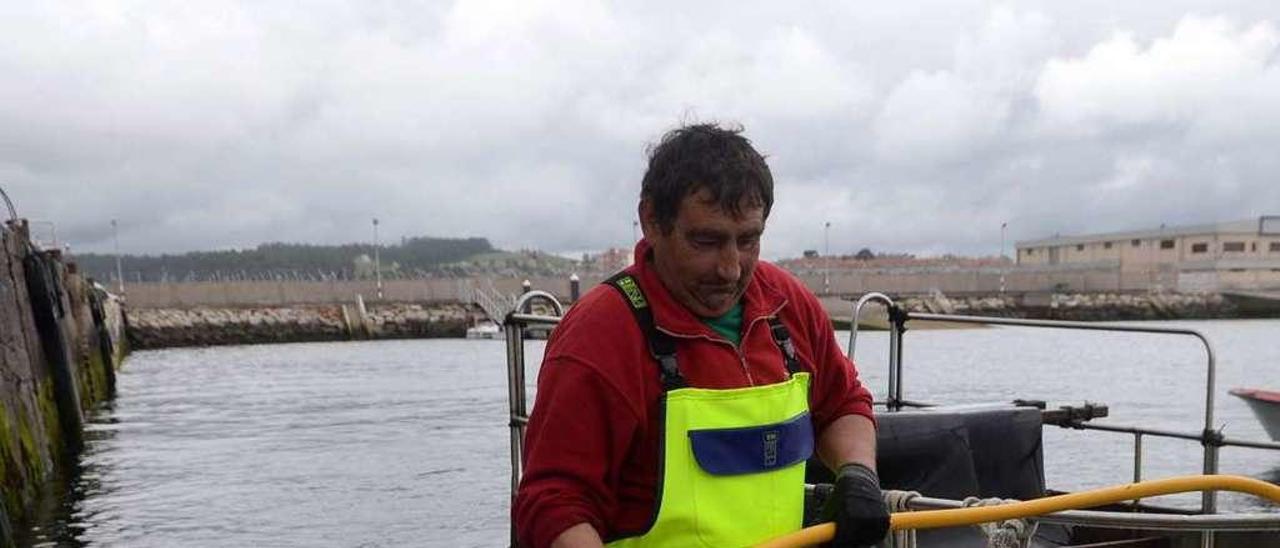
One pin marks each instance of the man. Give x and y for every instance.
(677, 403)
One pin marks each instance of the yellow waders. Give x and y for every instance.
(732, 460)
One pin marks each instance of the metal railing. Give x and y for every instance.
(1209, 438)
(517, 396)
(494, 304)
(518, 320)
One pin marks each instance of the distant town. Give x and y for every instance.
(1240, 255)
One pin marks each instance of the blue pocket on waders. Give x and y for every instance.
(752, 449)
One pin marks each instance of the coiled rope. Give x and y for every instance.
(1008, 533)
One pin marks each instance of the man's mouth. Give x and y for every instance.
(720, 293)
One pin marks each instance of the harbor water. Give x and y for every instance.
(406, 443)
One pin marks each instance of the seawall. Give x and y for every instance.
(208, 326)
(61, 341)
(1082, 306)
(1052, 306)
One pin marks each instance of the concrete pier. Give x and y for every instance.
(61, 340)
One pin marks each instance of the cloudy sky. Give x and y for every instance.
(909, 126)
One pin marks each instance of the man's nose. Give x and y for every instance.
(729, 267)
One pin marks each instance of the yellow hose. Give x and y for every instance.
(933, 519)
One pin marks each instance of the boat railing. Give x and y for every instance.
(514, 325)
(1209, 438)
(522, 317)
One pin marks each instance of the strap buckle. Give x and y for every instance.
(782, 338)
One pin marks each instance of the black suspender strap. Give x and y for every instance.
(661, 345)
(783, 339)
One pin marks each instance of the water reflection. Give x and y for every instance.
(60, 513)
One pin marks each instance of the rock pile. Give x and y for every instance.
(1143, 306)
(1080, 306)
(167, 327)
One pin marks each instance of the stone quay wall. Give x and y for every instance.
(283, 293)
(207, 326)
(61, 341)
(1080, 306)
(1056, 306)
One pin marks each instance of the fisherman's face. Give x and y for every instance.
(709, 255)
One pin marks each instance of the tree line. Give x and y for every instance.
(413, 257)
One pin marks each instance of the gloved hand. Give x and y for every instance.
(856, 507)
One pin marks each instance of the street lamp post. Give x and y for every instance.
(115, 235)
(826, 254)
(1003, 227)
(377, 263)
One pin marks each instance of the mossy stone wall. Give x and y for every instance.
(33, 443)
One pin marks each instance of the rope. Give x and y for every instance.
(900, 501)
(1009, 533)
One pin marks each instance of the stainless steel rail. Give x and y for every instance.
(517, 395)
(1140, 431)
(515, 323)
(13, 212)
(1209, 437)
(893, 397)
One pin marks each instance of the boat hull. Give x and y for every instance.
(1265, 405)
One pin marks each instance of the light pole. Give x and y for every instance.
(635, 227)
(1003, 226)
(826, 255)
(377, 263)
(115, 235)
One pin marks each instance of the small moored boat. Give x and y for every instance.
(485, 330)
(1265, 404)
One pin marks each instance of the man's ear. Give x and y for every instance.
(648, 219)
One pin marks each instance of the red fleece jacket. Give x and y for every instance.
(591, 447)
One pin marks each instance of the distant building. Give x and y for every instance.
(610, 260)
(1239, 254)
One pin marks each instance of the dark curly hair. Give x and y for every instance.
(705, 156)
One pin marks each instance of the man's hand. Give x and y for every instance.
(856, 507)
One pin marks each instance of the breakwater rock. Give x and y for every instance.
(1080, 306)
(208, 326)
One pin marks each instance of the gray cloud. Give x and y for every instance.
(918, 128)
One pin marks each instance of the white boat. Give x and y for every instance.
(486, 330)
(1265, 404)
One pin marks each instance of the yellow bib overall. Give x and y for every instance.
(732, 460)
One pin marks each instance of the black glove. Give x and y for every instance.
(856, 508)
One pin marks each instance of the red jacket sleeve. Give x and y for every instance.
(837, 391)
(577, 433)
